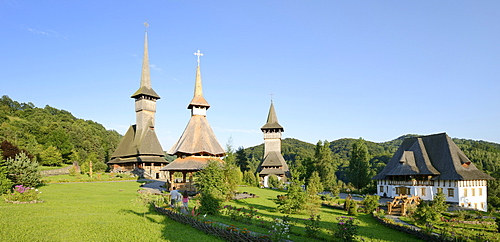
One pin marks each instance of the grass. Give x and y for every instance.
(83, 178)
(369, 229)
(91, 212)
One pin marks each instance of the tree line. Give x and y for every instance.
(350, 163)
(55, 136)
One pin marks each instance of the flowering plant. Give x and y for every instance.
(22, 194)
(280, 229)
(346, 229)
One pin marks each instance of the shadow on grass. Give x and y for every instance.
(150, 211)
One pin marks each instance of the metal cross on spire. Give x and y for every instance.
(146, 25)
(198, 53)
(271, 97)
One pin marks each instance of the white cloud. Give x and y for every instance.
(48, 33)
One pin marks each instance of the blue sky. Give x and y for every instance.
(336, 69)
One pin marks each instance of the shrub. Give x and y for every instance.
(346, 229)
(5, 183)
(370, 203)
(353, 208)
(280, 229)
(22, 194)
(22, 171)
(312, 226)
(294, 200)
(273, 181)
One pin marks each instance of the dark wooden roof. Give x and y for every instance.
(138, 144)
(272, 120)
(433, 155)
(198, 138)
(273, 159)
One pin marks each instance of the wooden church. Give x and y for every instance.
(139, 152)
(427, 165)
(273, 162)
(197, 144)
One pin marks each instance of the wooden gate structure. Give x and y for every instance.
(401, 203)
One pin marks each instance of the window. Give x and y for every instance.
(381, 188)
(473, 192)
(423, 191)
(480, 191)
(440, 190)
(451, 192)
(465, 192)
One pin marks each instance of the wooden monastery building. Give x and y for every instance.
(197, 144)
(139, 152)
(427, 165)
(273, 162)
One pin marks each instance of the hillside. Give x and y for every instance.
(47, 131)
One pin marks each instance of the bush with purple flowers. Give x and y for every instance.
(22, 194)
(346, 229)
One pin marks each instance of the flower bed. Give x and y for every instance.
(22, 195)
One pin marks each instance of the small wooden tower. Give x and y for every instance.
(197, 144)
(273, 162)
(139, 151)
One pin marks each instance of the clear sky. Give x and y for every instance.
(336, 69)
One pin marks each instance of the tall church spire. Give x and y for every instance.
(139, 152)
(273, 162)
(198, 100)
(272, 120)
(145, 97)
(145, 88)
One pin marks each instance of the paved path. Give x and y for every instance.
(154, 186)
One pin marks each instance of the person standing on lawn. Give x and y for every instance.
(174, 197)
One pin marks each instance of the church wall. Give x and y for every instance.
(145, 104)
(272, 145)
(468, 194)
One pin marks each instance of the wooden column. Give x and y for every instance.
(172, 182)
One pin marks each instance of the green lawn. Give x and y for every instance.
(90, 212)
(369, 230)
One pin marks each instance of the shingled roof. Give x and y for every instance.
(198, 138)
(433, 155)
(272, 120)
(145, 88)
(273, 159)
(142, 145)
(198, 99)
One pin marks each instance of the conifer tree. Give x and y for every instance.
(314, 187)
(323, 164)
(358, 171)
(23, 171)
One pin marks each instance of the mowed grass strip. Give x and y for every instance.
(91, 212)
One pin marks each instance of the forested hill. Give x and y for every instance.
(485, 155)
(54, 135)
